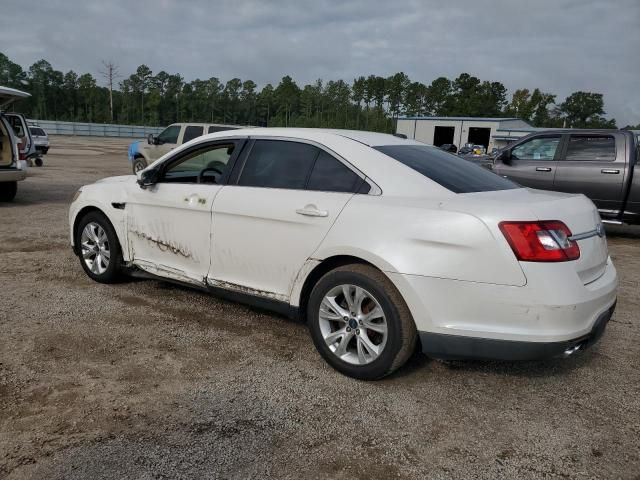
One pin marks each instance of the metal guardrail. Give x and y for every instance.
(53, 127)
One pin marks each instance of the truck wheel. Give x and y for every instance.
(139, 164)
(360, 323)
(38, 161)
(8, 191)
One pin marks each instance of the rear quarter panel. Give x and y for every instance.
(418, 237)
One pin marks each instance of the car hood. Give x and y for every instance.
(118, 179)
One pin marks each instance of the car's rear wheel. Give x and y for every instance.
(359, 322)
(8, 191)
(139, 164)
(98, 248)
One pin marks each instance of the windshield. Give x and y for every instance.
(37, 132)
(450, 171)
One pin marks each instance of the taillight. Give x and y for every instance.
(22, 155)
(546, 241)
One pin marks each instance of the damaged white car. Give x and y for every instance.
(383, 245)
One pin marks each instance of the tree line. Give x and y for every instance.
(372, 102)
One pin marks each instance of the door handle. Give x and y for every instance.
(543, 169)
(312, 211)
(195, 200)
(610, 171)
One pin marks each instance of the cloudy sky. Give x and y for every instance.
(560, 46)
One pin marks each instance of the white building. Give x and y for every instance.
(490, 132)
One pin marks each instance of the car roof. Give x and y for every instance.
(200, 124)
(371, 139)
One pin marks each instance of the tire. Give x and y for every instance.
(8, 191)
(100, 238)
(138, 165)
(394, 347)
(38, 161)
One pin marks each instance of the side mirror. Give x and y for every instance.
(147, 178)
(150, 139)
(504, 157)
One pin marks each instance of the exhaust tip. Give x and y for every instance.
(571, 350)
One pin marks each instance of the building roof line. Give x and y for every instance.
(474, 119)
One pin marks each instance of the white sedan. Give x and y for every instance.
(383, 245)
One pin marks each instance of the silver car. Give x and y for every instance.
(40, 138)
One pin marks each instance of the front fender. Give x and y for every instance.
(108, 199)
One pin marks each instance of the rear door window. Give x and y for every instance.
(191, 132)
(38, 132)
(278, 164)
(214, 129)
(591, 148)
(450, 171)
(330, 175)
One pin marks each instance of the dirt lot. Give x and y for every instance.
(149, 380)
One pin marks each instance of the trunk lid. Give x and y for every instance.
(523, 204)
(10, 95)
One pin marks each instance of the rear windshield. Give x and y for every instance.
(450, 171)
(37, 132)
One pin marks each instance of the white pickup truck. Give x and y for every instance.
(16, 145)
(142, 153)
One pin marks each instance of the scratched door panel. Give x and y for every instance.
(262, 236)
(169, 228)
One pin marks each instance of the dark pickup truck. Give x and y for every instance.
(598, 163)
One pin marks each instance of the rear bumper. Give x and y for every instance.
(455, 347)
(12, 175)
(554, 306)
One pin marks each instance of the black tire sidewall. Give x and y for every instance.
(8, 191)
(383, 364)
(113, 271)
(136, 161)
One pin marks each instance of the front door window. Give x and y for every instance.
(169, 135)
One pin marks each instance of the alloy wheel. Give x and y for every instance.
(95, 248)
(353, 324)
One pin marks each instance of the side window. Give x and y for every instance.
(587, 148)
(331, 175)
(214, 129)
(541, 148)
(169, 134)
(278, 164)
(191, 132)
(214, 158)
(16, 123)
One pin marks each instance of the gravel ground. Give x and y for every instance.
(149, 380)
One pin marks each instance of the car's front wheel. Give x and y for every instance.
(98, 248)
(8, 191)
(139, 164)
(359, 322)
